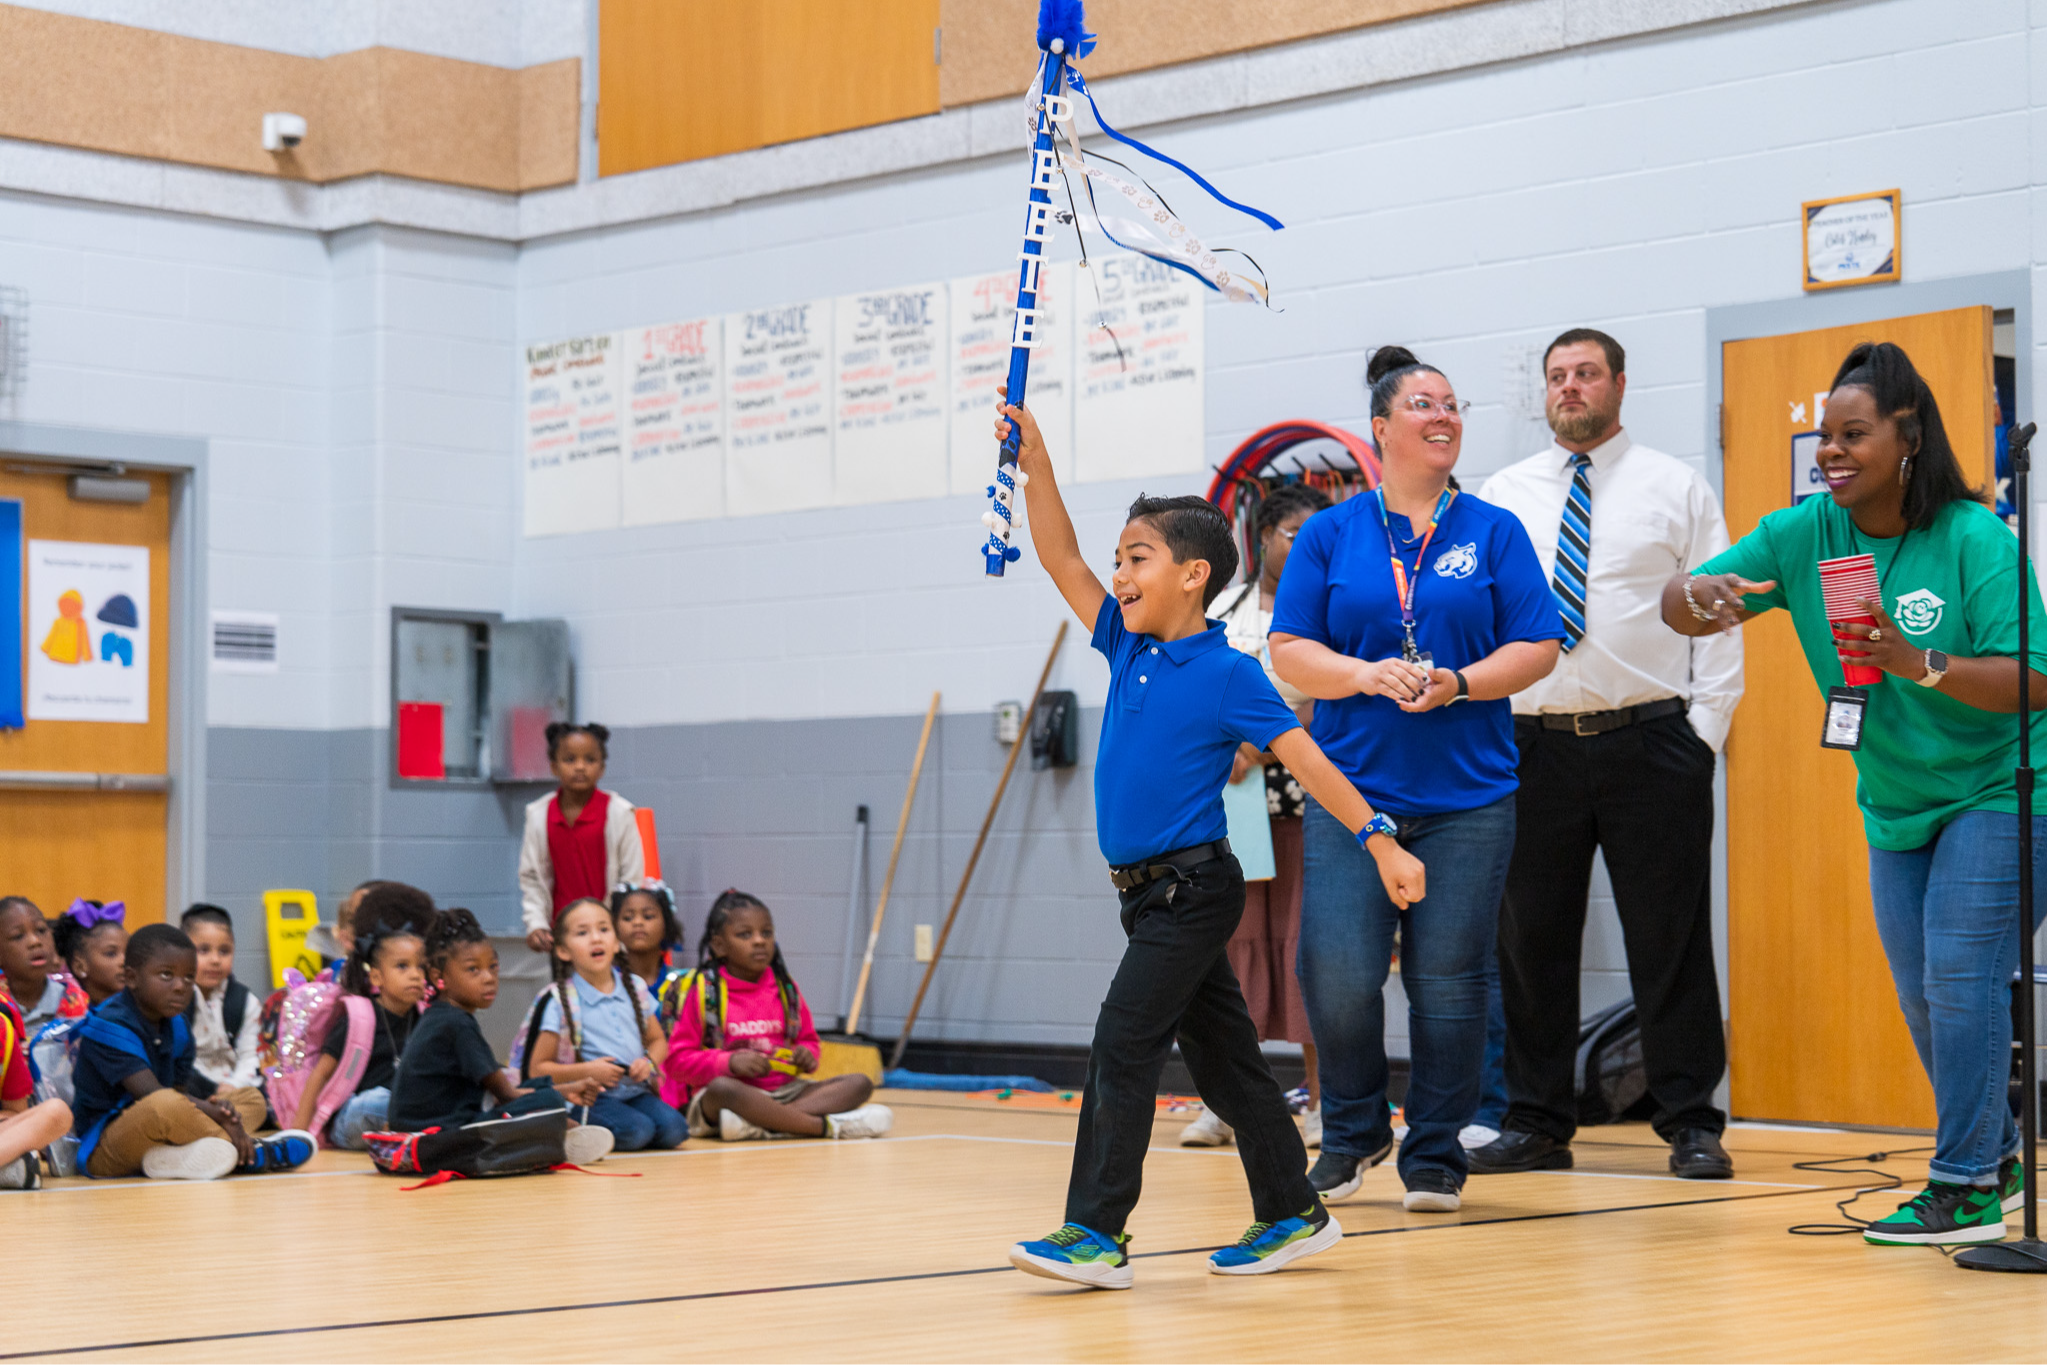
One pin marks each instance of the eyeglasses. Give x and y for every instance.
(1285, 534)
(1427, 408)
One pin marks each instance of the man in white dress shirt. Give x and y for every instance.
(1617, 753)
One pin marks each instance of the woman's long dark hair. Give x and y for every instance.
(1934, 477)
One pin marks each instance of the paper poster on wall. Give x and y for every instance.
(778, 415)
(1138, 410)
(88, 631)
(983, 316)
(675, 422)
(574, 435)
(889, 399)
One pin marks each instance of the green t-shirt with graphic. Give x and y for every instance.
(1925, 757)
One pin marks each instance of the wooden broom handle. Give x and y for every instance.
(888, 881)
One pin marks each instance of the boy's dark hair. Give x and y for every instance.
(203, 913)
(1193, 528)
(562, 729)
(730, 902)
(451, 929)
(1934, 478)
(394, 905)
(355, 972)
(671, 927)
(149, 942)
(1616, 358)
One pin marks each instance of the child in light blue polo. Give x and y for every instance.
(1180, 702)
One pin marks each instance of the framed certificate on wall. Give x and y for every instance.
(1855, 239)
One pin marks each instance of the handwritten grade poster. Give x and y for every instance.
(574, 433)
(675, 423)
(88, 631)
(983, 319)
(890, 396)
(778, 414)
(1140, 414)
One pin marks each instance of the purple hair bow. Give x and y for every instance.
(89, 915)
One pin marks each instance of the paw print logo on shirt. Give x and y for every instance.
(1458, 561)
(1919, 612)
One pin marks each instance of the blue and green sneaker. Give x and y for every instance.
(1078, 1255)
(2011, 1184)
(1266, 1247)
(1942, 1215)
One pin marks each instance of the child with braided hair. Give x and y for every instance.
(92, 943)
(386, 965)
(649, 934)
(743, 1041)
(597, 1022)
(450, 1076)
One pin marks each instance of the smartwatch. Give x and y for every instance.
(1463, 688)
(1936, 668)
(1380, 823)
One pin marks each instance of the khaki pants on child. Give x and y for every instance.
(165, 1118)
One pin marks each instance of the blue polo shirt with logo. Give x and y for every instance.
(1480, 587)
(1177, 711)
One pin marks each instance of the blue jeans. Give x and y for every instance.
(1446, 951)
(367, 1111)
(642, 1121)
(1492, 1081)
(1947, 914)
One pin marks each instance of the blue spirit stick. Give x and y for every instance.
(1060, 37)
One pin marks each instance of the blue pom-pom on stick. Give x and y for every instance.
(1064, 20)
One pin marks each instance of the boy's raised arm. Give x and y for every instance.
(1400, 872)
(1051, 529)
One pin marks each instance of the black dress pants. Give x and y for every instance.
(1175, 981)
(1643, 795)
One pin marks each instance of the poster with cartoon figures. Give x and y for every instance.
(88, 631)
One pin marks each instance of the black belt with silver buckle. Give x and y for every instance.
(1585, 723)
(1134, 875)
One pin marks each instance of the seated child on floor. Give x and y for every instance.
(31, 977)
(224, 1016)
(743, 1042)
(387, 967)
(91, 940)
(649, 935)
(450, 1076)
(135, 1054)
(597, 1022)
(24, 1129)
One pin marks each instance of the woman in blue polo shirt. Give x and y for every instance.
(1410, 614)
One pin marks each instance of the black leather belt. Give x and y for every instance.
(1167, 864)
(1585, 723)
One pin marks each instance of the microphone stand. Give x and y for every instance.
(2028, 1255)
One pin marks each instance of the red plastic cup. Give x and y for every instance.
(1844, 584)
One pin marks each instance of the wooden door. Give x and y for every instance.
(1814, 1029)
(103, 845)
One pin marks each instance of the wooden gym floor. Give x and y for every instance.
(894, 1250)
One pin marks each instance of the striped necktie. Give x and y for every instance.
(1574, 551)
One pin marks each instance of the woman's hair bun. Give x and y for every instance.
(1386, 360)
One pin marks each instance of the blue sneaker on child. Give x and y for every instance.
(283, 1151)
(1077, 1254)
(1266, 1247)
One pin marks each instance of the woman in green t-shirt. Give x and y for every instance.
(1937, 747)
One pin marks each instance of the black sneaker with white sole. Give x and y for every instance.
(1431, 1189)
(1337, 1176)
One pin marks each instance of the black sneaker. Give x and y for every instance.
(1431, 1189)
(1511, 1152)
(1336, 1176)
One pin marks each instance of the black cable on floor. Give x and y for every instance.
(1831, 1166)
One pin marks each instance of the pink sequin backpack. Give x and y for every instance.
(311, 1009)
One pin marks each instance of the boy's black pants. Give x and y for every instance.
(1174, 980)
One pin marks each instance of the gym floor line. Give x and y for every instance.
(662, 1300)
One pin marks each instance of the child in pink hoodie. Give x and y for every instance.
(743, 1046)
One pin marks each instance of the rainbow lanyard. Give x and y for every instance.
(1404, 581)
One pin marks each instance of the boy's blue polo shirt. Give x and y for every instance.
(1176, 713)
(114, 1043)
(1480, 587)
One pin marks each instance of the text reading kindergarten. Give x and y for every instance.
(884, 396)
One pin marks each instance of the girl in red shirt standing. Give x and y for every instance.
(580, 841)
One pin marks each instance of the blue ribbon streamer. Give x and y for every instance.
(1080, 84)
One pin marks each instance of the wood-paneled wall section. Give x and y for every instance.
(115, 88)
(679, 80)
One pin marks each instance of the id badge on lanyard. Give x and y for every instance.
(1404, 582)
